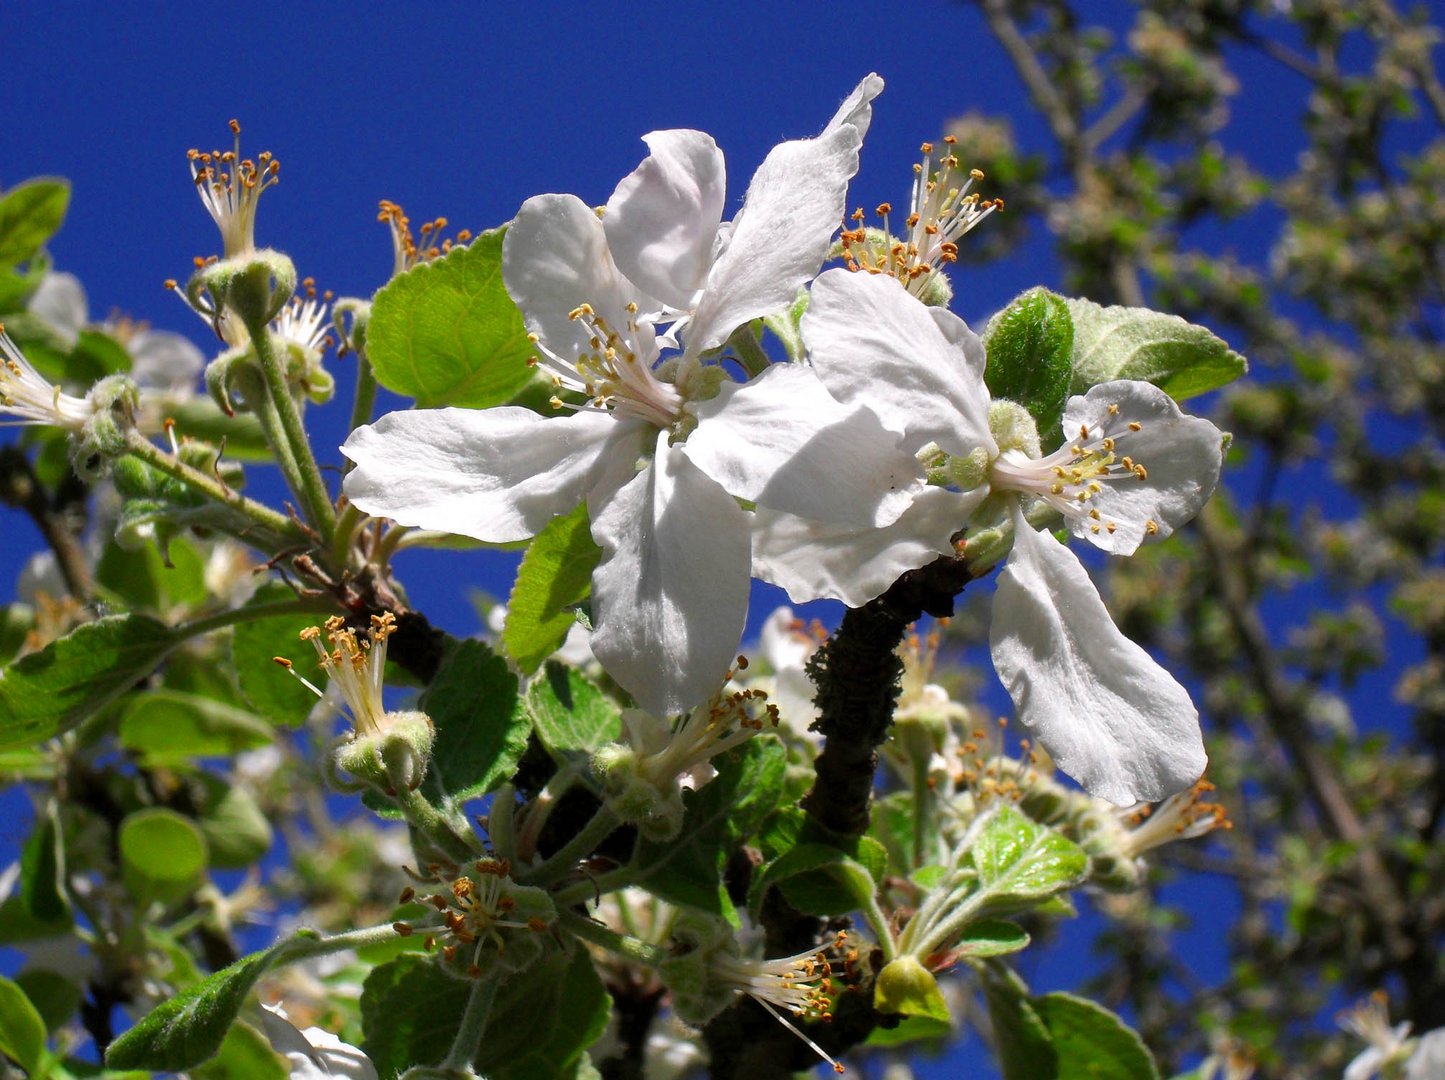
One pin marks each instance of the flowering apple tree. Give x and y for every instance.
(607, 838)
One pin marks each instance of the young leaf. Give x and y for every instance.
(1017, 858)
(162, 854)
(39, 874)
(555, 573)
(30, 213)
(22, 1031)
(185, 1030)
(1091, 1042)
(51, 691)
(1030, 344)
(447, 333)
(1024, 1046)
(481, 728)
(725, 811)
(570, 714)
(576, 1008)
(266, 686)
(168, 728)
(1135, 343)
(991, 937)
(817, 879)
(410, 1010)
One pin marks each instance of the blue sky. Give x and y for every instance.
(464, 111)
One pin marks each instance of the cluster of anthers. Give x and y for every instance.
(26, 395)
(355, 666)
(426, 244)
(728, 720)
(303, 321)
(610, 371)
(801, 985)
(230, 186)
(941, 211)
(1182, 816)
(1070, 477)
(472, 912)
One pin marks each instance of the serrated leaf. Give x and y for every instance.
(447, 333)
(410, 1011)
(30, 214)
(481, 728)
(162, 853)
(1017, 858)
(53, 690)
(719, 816)
(185, 1030)
(570, 714)
(1091, 1042)
(991, 937)
(22, 1031)
(166, 727)
(1024, 1047)
(578, 1008)
(265, 685)
(1180, 358)
(1030, 347)
(556, 573)
(817, 879)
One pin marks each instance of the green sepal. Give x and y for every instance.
(908, 988)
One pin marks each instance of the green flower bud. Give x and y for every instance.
(1014, 428)
(907, 988)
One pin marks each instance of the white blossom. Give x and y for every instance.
(313, 1053)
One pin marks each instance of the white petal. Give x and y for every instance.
(919, 368)
(794, 205)
(781, 441)
(1182, 456)
(1366, 1065)
(1110, 716)
(663, 219)
(498, 475)
(857, 108)
(59, 299)
(671, 591)
(1428, 1060)
(813, 560)
(165, 361)
(554, 259)
(313, 1054)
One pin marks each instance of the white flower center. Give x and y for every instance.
(356, 666)
(1070, 477)
(613, 371)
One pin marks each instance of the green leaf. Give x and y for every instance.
(1091, 1042)
(570, 714)
(555, 573)
(16, 287)
(268, 687)
(447, 333)
(141, 578)
(51, 691)
(481, 728)
(1019, 859)
(40, 874)
(410, 1011)
(94, 356)
(521, 1045)
(817, 879)
(912, 1029)
(1030, 346)
(54, 996)
(22, 1031)
(245, 1054)
(168, 728)
(991, 937)
(201, 418)
(1024, 1047)
(1135, 343)
(719, 816)
(30, 214)
(237, 832)
(185, 1030)
(162, 854)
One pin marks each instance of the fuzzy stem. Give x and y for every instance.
(473, 1025)
(606, 938)
(565, 859)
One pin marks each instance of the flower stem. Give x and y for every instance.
(473, 1025)
(750, 352)
(437, 826)
(283, 530)
(315, 499)
(364, 402)
(234, 616)
(565, 859)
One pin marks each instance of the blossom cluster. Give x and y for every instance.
(829, 474)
